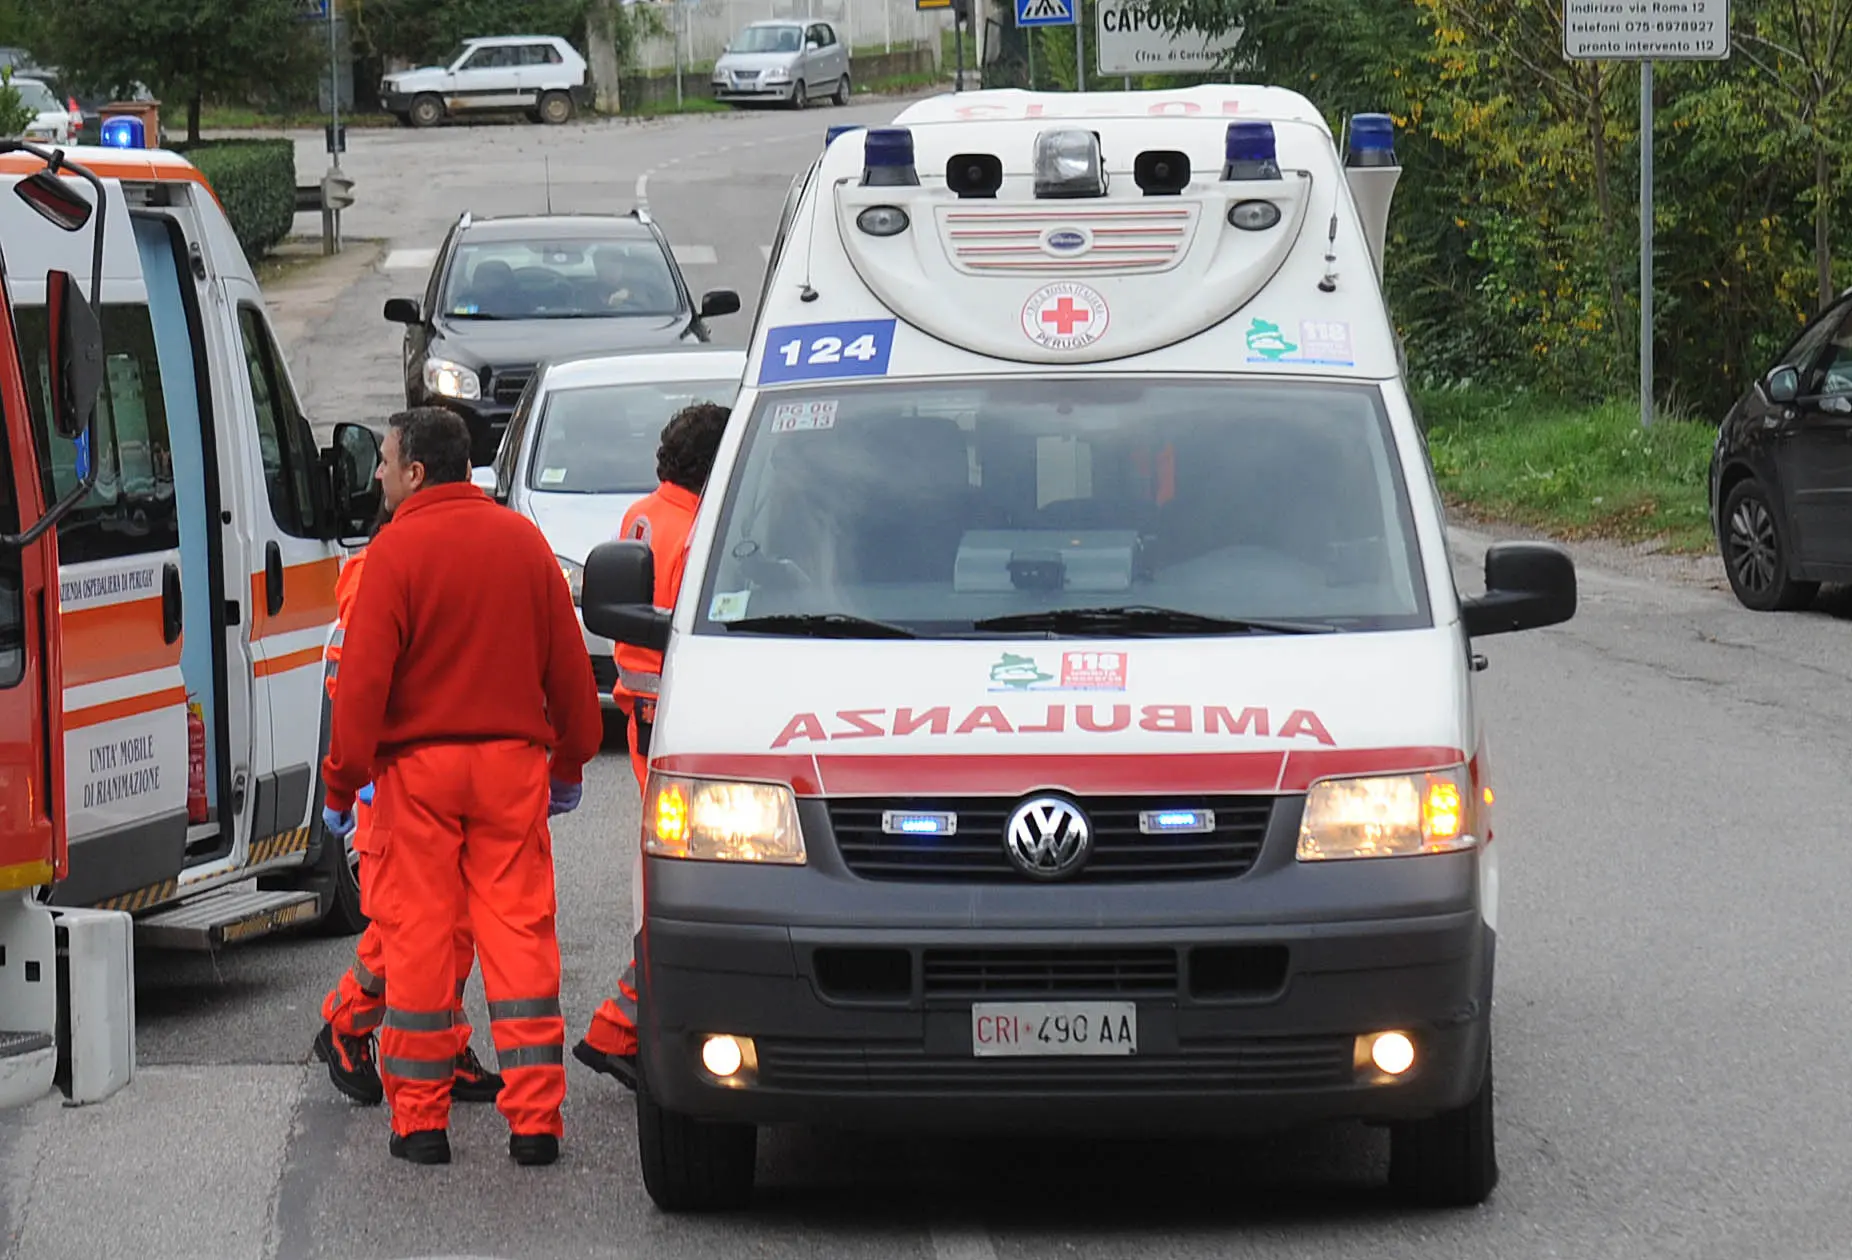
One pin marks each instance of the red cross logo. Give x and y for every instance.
(1065, 316)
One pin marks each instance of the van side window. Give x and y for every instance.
(12, 579)
(130, 510)
(283, 434)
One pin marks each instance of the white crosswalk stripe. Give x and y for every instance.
(695, 255)
(410, 259)
(766, 250)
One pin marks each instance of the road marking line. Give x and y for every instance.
(410, 259)
(695, 255)
(959, 1243)
(643, 190)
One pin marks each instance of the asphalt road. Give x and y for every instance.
(1672, 1015)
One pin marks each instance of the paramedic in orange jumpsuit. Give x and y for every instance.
(353, 1008)
(662, 519)
(464, 668)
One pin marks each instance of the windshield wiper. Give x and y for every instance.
(822, 626)
(1142, 619)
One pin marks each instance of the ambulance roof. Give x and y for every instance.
(1223, 101)
(132, 165)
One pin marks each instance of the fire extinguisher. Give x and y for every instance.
(196, 762)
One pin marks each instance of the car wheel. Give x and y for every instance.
(555, 108)
(427, 111)
(799, 98)
(1755, 555)
(690, 1165)
(842, 91)
(1449, 1160)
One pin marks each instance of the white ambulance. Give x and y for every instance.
(1068, 720)
(196, 578)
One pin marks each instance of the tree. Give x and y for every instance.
(425, 30)
(15, 114)
(188, 50)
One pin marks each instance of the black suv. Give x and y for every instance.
(507, 293)
(1781, 472)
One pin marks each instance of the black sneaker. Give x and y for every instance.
(474, 1082)
(621, 1066)
(427, 1146)
(350, 1065)
(533, 1148)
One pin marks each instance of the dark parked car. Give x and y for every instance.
(506, 293)
(1781, 473)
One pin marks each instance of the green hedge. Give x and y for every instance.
(256, 182)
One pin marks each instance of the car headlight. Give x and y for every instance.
(712, 820)
(777, 74)
(1402, 815)
(575, 577)
(452, 380)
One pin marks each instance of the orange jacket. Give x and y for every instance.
(663, 519)
(463, 632)
(346, 588)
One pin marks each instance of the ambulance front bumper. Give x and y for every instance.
(1254, 999)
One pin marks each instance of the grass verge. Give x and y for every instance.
(689, 105)
(1572, 471)
(240, 118)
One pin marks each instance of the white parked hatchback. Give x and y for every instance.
(580, 448)
(53, 122)
(542, 75)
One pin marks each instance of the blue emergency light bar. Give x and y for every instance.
(1250, 152)
(124, 132)
(895, 823)
(1170, 822)
(1372, 140)
(887, 160)
(829, 137)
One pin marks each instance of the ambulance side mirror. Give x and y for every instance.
(1528, 585)
(76, 355)
(617, 595)
(353, 476)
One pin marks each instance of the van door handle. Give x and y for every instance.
(273, 578)
(172, 618)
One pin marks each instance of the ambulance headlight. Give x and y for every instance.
(451, 380)
(882, 220)
(574, 573)
(1253, 216)
(713, 820)
(1402, 815)
(1067, 164)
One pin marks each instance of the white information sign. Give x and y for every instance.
(1131, 40)
(1646, 30)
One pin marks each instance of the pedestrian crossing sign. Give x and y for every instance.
(923, 5)
(1045, 12)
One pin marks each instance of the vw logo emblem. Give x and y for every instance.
(1048, 838)
(1066, 242)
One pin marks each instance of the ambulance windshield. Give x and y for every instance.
(936, 509)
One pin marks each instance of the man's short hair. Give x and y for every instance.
(690, 441)
(438, 439)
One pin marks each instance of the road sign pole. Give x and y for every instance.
(1646, 244)
(1080, 46)
(958, 47)
(331, 218)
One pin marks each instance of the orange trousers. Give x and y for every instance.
(613, 1028)
(456, 826)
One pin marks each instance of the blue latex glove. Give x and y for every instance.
(365, 795)
(340, 823)
(563, 798)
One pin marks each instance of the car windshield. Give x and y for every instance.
(560, 279)
(37, 97)
(602, 439)
(764, 39)
(1140, 505)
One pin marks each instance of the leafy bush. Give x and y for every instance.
(256, 183)
(15, 116)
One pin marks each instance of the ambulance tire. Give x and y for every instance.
(842, 91)
(555, 108)
(427, 110)
(692, 1165)
(1449, 1160)
(343, 916)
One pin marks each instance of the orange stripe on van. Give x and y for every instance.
(288, 661)
(147, 166)
(115, 641)
(132, 706)
(308, 599)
